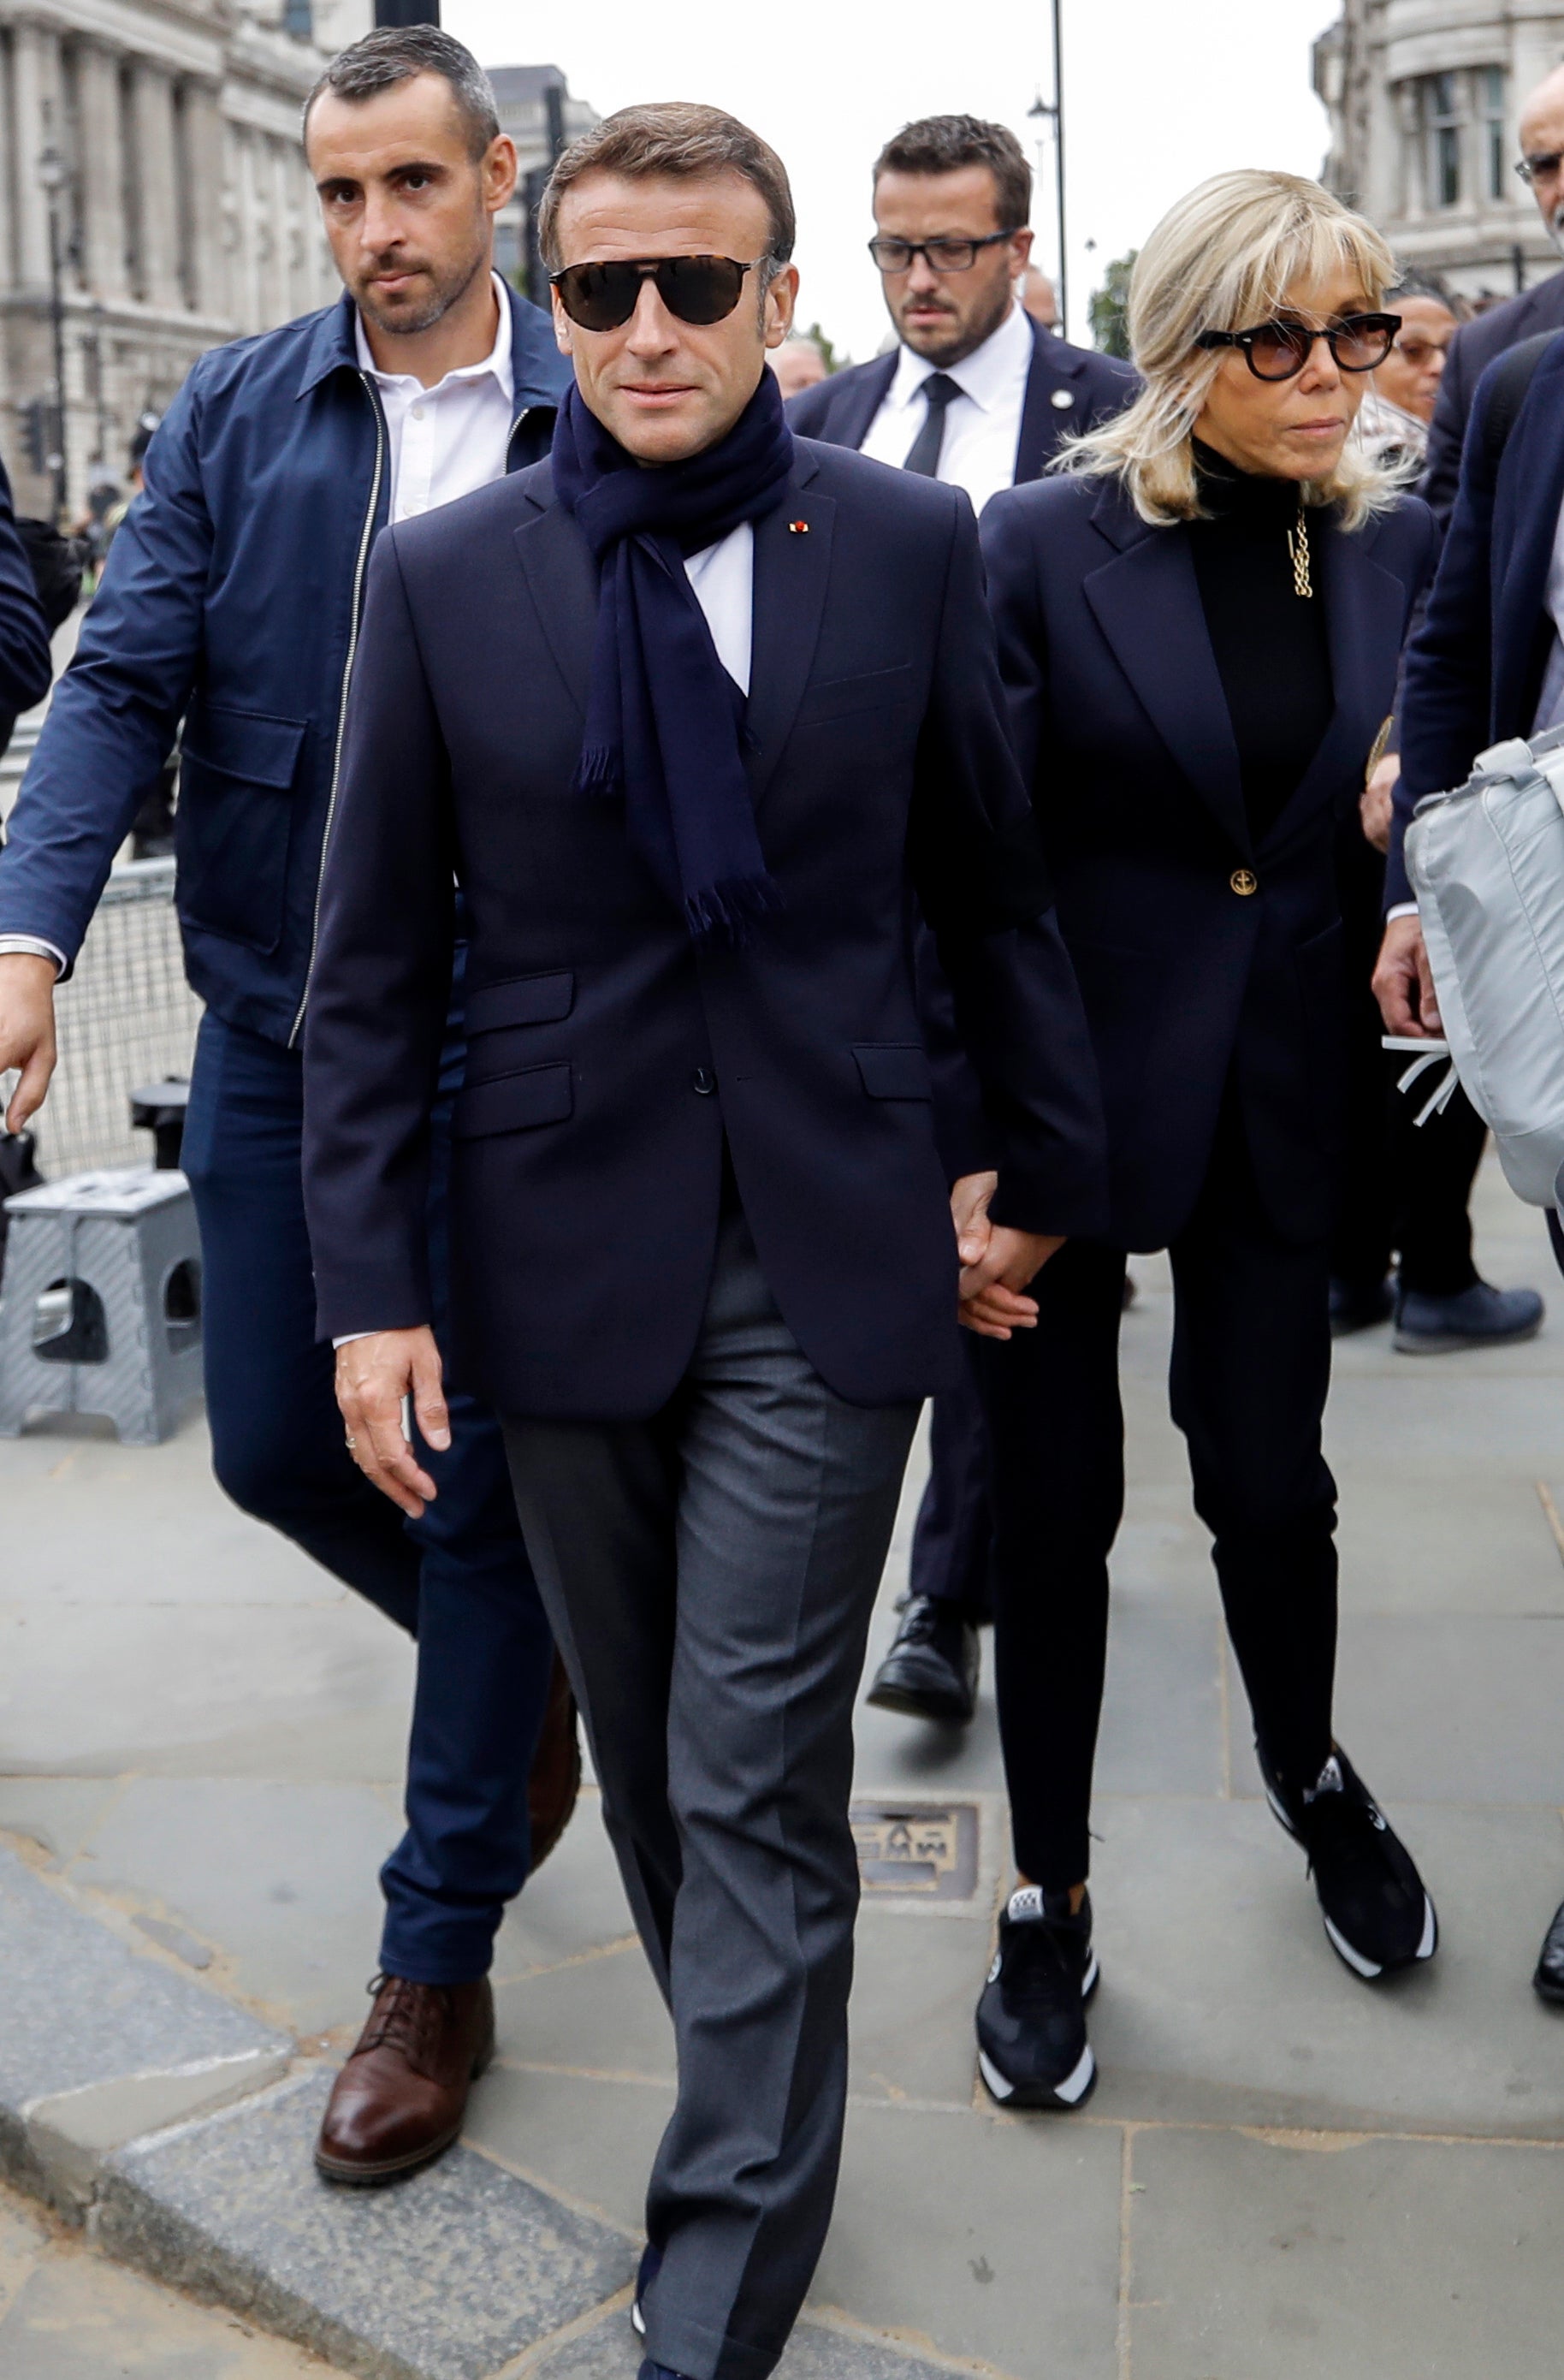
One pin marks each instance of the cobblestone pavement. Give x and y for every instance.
(1283, 2174)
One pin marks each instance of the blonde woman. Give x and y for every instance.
(1199, 623)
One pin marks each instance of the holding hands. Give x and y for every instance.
(997, 1261)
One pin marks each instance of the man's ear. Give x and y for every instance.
(498, 172)
(781, 299)
(562, 325)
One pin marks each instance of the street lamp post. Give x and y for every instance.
(1055, 112)
(53, 173)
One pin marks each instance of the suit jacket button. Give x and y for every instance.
(704, 1081)
(1244, 880)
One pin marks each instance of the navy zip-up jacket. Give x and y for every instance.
(231, 601)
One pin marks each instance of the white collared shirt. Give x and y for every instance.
(982, 425)
(723, 578)
(450, 438)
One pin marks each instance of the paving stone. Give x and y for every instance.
(83, 2009)
(915, 1982)
(455, 2271)
(602, 2015)
(1376, 2260)
(1442, 1708)
(1451, 1543)
(282, 1876)
(1162, 1706)
(582, 2139)
(575, 1903)
(1247, 2016)
(986, 2238)
(22, 2240)
(58, 1814)
(611, 2352)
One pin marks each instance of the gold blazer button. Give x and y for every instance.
(1243, 881)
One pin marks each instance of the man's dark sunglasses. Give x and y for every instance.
(695, 288)
(939, 255)
(1537, 168)
(1280, 350)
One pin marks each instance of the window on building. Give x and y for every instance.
(298, 19)
(1441, 141)
(1496, 147)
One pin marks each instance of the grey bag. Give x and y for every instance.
(1486, 862)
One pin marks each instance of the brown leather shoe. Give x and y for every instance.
(556, 1769)
(401, 2098)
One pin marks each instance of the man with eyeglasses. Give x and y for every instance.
(702, 1218)
(979, 392)
(1475, 345)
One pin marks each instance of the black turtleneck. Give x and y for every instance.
(1270, 641)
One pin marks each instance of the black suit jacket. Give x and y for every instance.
(1191, 980)
(606, 1059)
(1067, 389)
(1472, 350)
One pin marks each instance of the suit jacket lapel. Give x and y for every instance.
(1147, 604)
(860, 400)
(1530, 486)
(564, 583)
(1042, 426)
(792, 570)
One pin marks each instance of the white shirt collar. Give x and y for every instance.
(497, 361)
(987, 375)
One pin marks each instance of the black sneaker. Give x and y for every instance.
(1376, 1911)
(1032, 2046)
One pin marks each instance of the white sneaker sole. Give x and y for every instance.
(1370, 1972)
(637, 2320)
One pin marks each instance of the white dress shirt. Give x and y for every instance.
(450, 438)
(444, 442)
(982, 425)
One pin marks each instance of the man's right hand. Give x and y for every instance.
(27, 1030)
(1403, 983)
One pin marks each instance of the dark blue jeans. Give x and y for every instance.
(459, 1579)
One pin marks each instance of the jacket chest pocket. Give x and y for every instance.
(239, 774)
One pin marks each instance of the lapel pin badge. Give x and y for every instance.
(798, 529)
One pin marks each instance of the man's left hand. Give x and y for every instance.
(997, 1262)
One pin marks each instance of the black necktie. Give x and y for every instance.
(938, 388)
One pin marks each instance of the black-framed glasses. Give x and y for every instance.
(695, 288)
(939, 255)
(1541, 166)
(1278, 351)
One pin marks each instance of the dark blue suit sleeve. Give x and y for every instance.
(1447, 435)
(378, 1001)
(24, 639)
(982, 884)
(116, 711)
(1447, 674)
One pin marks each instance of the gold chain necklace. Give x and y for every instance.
(1298, 547)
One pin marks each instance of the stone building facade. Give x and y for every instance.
(1424, 97)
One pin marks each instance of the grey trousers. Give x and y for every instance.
(710, 1576)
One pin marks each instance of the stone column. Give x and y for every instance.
(153, 112)
(204, 199)
(35, 54)
(101, 166)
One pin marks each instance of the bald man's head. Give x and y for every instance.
(1542, 146)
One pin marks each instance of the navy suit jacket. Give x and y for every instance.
(1122, 727)
(606, 1059)
(1067, 389)
(24, 638)
(1474, 671)
(1472, 350)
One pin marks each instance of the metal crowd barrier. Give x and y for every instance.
(126, 1018)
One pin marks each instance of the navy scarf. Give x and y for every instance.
(662, 718)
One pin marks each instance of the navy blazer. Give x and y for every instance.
(1067, 389)
(24, 638)
(1474, 671)
(1472, 350)
(608, 1059)
(1200, 957)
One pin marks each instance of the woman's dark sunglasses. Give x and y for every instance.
(695, 288)
(1280, 350)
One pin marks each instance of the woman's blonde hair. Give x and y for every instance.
(1223, 260)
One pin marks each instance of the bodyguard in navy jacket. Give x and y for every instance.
(24, 638)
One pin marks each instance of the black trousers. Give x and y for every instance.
(1251, 1366)
(1407, 1184)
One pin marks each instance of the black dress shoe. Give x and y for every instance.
(931, 1669)
(1354, 1306)
(1548, 1981)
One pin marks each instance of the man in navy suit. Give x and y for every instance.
(1475, 345)
(701, 1212)
(980, 395)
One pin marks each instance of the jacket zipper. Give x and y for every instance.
(342, 699)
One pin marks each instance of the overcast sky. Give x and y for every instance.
(1158, 94)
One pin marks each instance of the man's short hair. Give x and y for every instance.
(942, 144)
(679, 139)
(394, 53)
